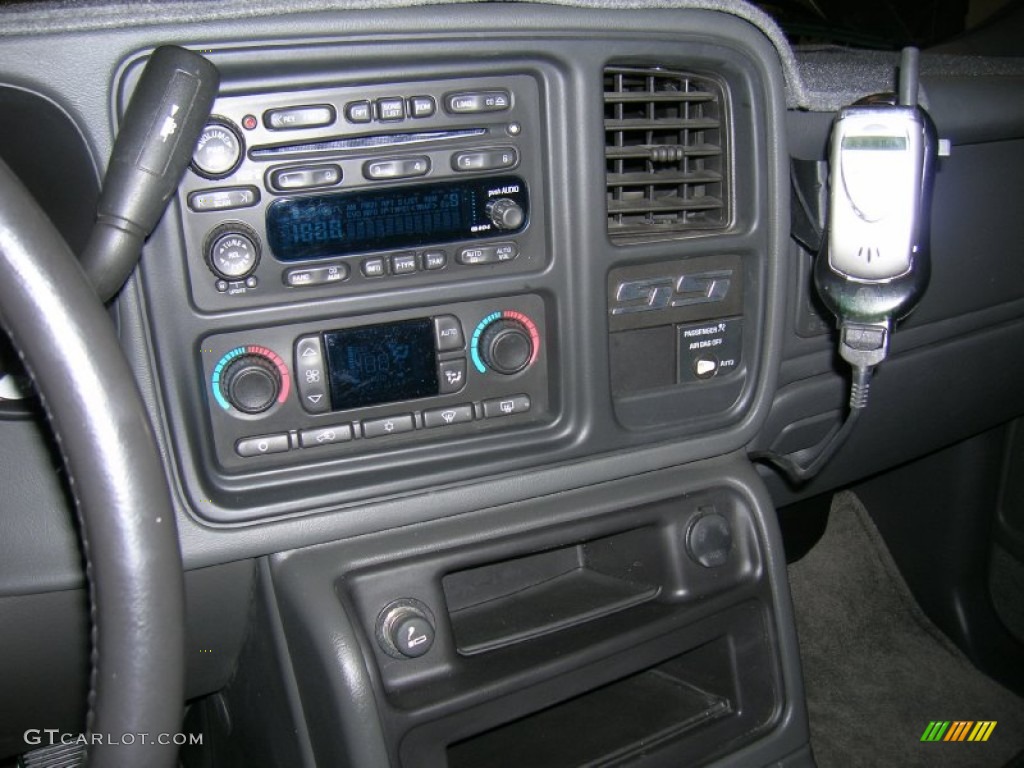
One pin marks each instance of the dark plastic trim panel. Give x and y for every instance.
(333, 651)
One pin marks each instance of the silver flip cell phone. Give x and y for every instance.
(875, 199)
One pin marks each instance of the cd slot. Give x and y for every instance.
(360, 143)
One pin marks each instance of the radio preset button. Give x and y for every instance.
(310, 375)
(261, 446)
(223, 199)
(373, 267)
(401, 168)
(451, 376)
(293, 118)
(391, 109)
(305, 178)
(506, 406)
(485, 159)
(487, 254)
(391, 425)
(443, 417)
(448, 333)
(358, 112)
(421, 106)
(310, 276)
(312, 438)
(477, 101)
(404, 264)
(435, 260)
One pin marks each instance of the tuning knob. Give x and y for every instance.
(232, 251)
(506, 346)
(251, 383)
(506, 213)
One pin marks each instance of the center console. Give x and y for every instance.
(393, 278)
(495, 318)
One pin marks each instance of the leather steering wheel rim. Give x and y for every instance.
(126, 519)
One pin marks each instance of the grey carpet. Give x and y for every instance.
(876, 670)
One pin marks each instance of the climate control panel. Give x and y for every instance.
(346, 386)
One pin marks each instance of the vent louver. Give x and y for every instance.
(665, 141)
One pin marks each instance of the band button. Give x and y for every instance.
(477, 101)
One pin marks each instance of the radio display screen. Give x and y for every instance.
(344, 223)
(378, 364)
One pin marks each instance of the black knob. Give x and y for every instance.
(251, 383)
(232, 251)
(219, 150)
(405, 629)
(709, 539)
(506, 213)
(506, 346)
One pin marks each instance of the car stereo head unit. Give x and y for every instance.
(345, 223)
(346, 190)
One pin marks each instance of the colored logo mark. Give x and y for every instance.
(958, 730)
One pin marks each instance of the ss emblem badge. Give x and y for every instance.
(667, 292)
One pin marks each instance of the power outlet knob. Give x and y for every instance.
(405, 629)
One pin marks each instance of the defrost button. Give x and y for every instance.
(506, 406)
(444, 417)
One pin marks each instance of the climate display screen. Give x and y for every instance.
(378, 364)
(343, 223)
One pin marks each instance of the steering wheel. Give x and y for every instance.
(129, 538)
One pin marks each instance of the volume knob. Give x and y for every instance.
(506, 213)
(251, 383)
(506, 347)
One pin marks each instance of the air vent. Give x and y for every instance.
(665, 141)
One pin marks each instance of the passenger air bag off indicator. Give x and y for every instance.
(709, 349)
